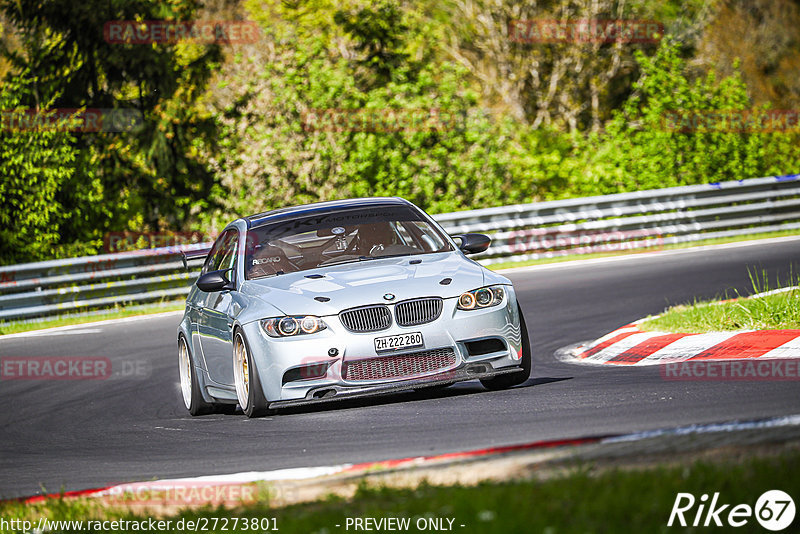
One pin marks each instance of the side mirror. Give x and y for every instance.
(214, 281)
(473, 243)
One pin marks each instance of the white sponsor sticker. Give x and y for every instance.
(273, 259)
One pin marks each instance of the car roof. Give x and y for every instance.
(279, 214)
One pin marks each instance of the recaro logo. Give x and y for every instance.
(273, 259)
(774, 510)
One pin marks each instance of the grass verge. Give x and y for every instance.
(583, 500)
(13, 327)
(764, 310)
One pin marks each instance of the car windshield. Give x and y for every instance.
(341, 236)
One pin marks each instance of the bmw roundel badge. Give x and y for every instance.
(388, 296)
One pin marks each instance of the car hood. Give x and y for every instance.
(357, 284)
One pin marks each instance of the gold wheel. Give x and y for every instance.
(241, 371)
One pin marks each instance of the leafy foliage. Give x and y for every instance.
(147, 178)
(674, 131)
(303, 125)
(33, 165)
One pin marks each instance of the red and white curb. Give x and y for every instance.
(183, 492)
(629, 345)
(232, 489)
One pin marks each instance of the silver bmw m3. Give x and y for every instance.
(342, 299)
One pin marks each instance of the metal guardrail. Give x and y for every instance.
(521, 232)
(641, 219)
(59, 286)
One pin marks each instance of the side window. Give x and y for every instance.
(228, 260)
(223, 253)
(208, 266)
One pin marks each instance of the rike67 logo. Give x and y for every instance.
(774, 510)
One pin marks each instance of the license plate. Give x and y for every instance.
(399, 341)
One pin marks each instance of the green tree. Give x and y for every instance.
(34, 165)
(148, 178)
(662, 138)
(306, 122)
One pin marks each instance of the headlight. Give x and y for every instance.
(484, 297)
(294, 325)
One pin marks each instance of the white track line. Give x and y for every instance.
(788, 420)
(65, 329)
(299, 473)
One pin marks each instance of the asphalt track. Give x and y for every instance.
(91, 433)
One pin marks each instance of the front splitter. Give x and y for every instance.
(338, 392)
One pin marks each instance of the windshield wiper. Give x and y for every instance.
(361, 258)
(391, 256)
(328, 263)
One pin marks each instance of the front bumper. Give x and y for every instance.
(339, 392)
(454, 329)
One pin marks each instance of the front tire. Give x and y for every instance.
(190, 387)
(245, 377)
(514, 379)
